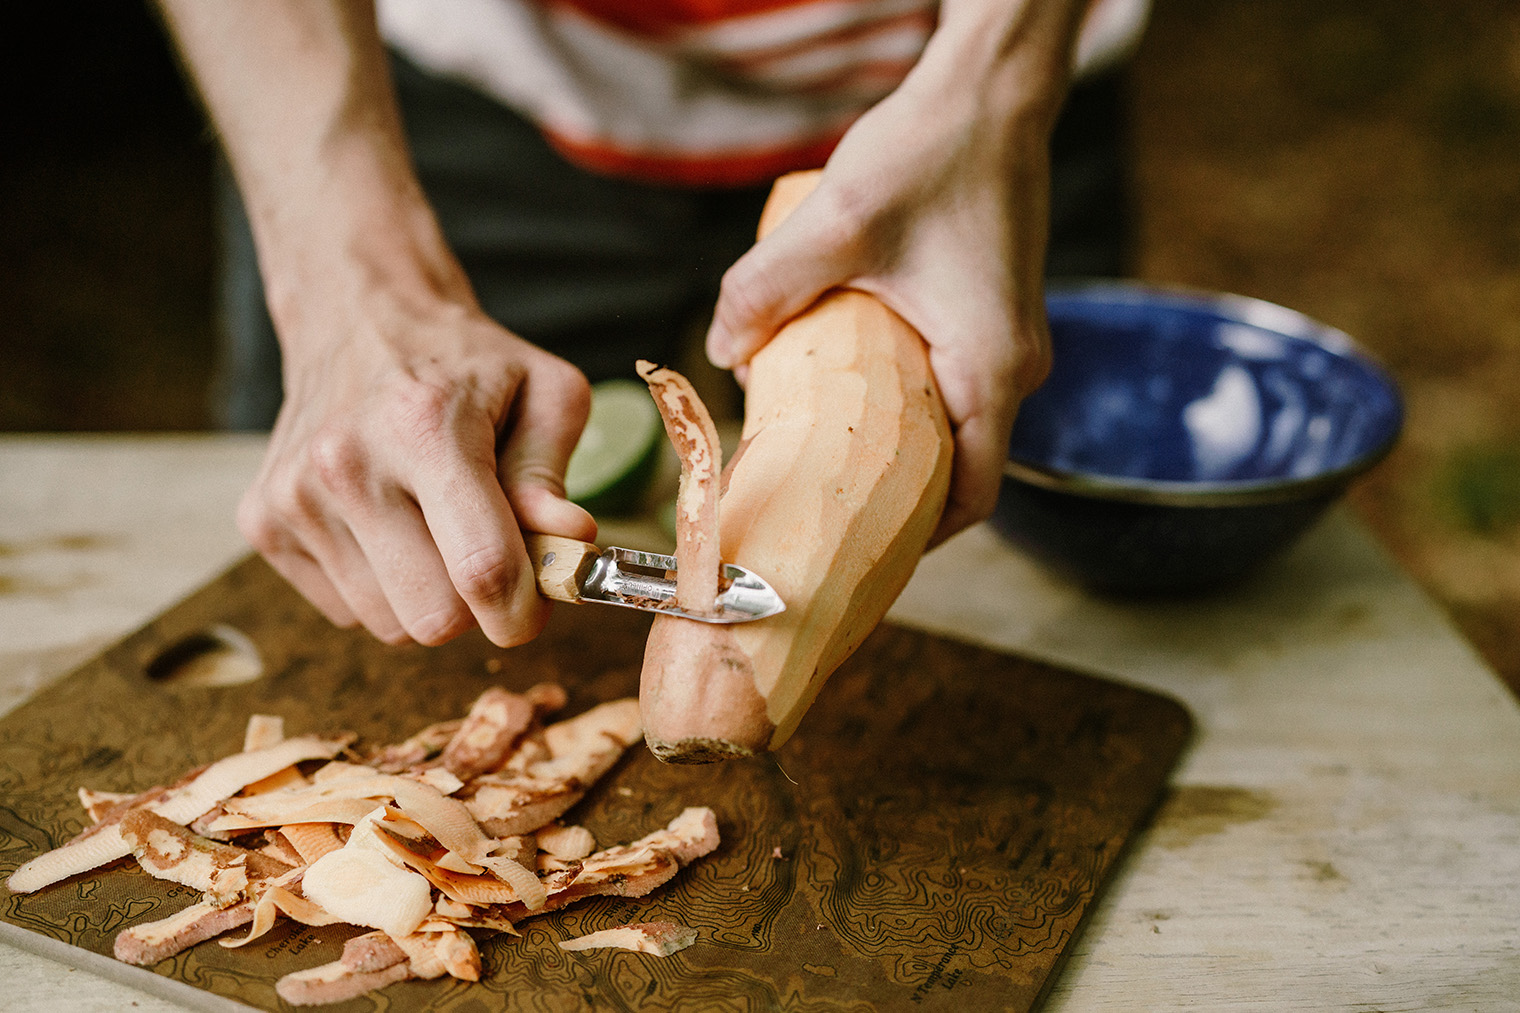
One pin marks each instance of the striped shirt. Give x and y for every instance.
(696, 92)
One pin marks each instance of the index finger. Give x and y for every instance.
(976, 475)
(548, 414)
(981, 393)
(470, 520)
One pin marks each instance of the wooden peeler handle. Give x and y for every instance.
(560, 564)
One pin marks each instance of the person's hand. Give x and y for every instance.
(418, 439)
(415, 444)
(935, 202)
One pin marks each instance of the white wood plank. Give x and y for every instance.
(1345, 829)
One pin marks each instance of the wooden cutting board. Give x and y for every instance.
(932, 837)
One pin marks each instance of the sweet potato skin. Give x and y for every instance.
(715, 717)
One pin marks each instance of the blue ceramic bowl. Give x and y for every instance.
(1184, 438)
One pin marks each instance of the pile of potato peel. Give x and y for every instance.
(430, 842)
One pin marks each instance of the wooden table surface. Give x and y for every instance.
(1343, 834)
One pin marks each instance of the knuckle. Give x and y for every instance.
(1030, 367)
(258, 527)
(561, 376)
(853, 212)
(562, 383)
(276, 510)
(1028, 359)
(857, 222)
(486, 577)
(528, 476)
(745, 295)
(572, 386)
(736, 286)
(288, 502)
(1014, 370)
(340, 462)
(501, 596)
(423, 409)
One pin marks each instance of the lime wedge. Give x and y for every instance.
(609, 471)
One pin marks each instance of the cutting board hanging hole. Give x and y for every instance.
(218, 655)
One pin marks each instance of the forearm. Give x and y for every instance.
(300, 94)
(991, 83)
(1011, 61)
(417, 437)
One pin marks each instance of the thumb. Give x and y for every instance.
(777, 279)
(548, 415)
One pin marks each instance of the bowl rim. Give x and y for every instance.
(1249, 310)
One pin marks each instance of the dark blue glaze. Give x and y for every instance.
(1181, 439)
